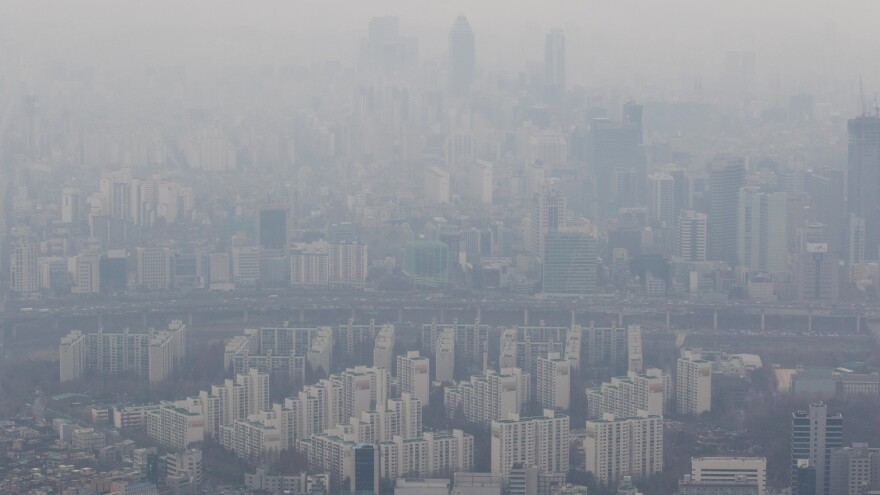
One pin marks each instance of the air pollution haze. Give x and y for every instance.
(434, 248)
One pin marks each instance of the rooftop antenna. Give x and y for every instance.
(862, 98)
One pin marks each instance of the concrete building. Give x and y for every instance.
(413, 376)
(532, 480)
(177, 424)
(444, 357)
(434, 454)
(185, 466)
(762, 230)
(554, 382)
(661, 198)
(739, 486)
(480, 181)
(471, 339)
(731, 470)
(727, 174)
(421, 486)
(855, 470)
(309, 265)
(489, 397)
(153, 356)
(817, 273)
(541, 441)
(815, 434)
(426, 263)
(477, 484)
(626, 396)
(23, 268)
(571, 263)
(546, 214)
(383, 348)
(87, 439)
(347, 265)
(618, 447)
(693, 384)
(691, 236)
(321, 351)
(436, 185)
(154, 268)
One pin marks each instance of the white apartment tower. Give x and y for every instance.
(554, 382)
(693, 384)
(541, 441)
(618, 447)
(413, 376)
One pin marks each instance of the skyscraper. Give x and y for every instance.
(863, 177)
(273, 228)
(661, 198)
(546, 214)
(814, 435)
(727, 174)
(570, 262)
(691, 236)
(366, 469)
(616, 159)
(762, 230)
(554, 65)
(462, 57)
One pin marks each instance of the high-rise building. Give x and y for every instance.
(554, 382)
(436, 185)
(691, 236)
(614, 150)
(413, 376)
(762, 230)
(817, 273)
(546, 214)
(462, 57)
(72, 356)
(273, 228)
(752, 470)
(154, 268)
(855, 470)
(488, 397)
(661, 198)
(815, 434)
(727, 175)
(71, 206)
(554, 66)
(444, 357)
(480, 182)
(625, 396)
(618, 447)
(541, 441)
(23, 268)
(571, 263)
(427, 263)
(366, 469)
(347, 265)
(863, 177)
(693, 384)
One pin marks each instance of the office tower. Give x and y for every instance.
(614, 154)
(116, 195)
(693, 384)
(546, 214)
(462, 57)
(444, 357)
(347, 265)
(731, 469)
(817, 273)
(273, 228)
(554, 382)
(762, 230)
(827, 190)
(427, 263)
(413, 376)
(855, 239)
(815, 434)
(863, 177)
(661, 198)
(571, 264)
(23, 268)
(625, 396)
(531, 480)
(366, 469)
(154, 268)
(549, 149)
(480, 182)
(541, 441)
(87, 274)
(727, 175)
(71, 206)
(436, 185)
(618, 447)
(246, 265)
(855, 470)
(554, 66)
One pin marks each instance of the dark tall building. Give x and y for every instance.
(273, 228)
(617, 161)
(554, 66)
(727, 174)
(863, 178)
(814, 435)
(366, 469)
(462, 57)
